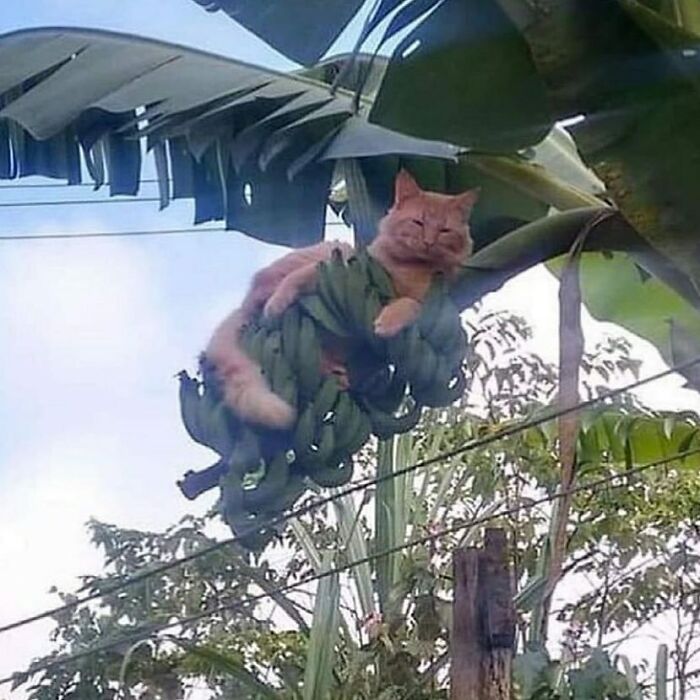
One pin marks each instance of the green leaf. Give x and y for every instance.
(253, 147)
(531, 594)
(635, 689)
(391, 517)
(661, 672)
(652, 309)
(355, 545)
(300, 29)
(222, 663)
(559, 156)
(548, 238)
(468, 62)
(597, 678)
(532, 673)
(318, 676)
(357, 138)
(535, 181)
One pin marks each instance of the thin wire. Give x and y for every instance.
(54, 185)
(230, 607)
(359, 486)
(78, 202)
(110, 234)
(124, 234)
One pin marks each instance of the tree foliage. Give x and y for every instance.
(392, 615)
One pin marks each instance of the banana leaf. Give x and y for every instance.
(316, 23)
(253, 147)
(318, 676)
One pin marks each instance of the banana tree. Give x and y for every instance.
(267, 152)
(498, 74)
(383, 626)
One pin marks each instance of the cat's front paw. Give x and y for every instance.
(396, 316)
(387, 327)
(276, 305)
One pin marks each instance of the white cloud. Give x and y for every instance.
(79, 306)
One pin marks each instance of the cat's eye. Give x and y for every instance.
(417, 222)
(445, 229)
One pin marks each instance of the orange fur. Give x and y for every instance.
(424, 233)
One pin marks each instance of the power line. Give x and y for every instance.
(110, 234)
(56, 185)
(231, 607)
(125, 234)
(78, 202)
(359, 486)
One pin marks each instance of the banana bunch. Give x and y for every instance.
(262, 472)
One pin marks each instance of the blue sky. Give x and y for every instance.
(93, 332)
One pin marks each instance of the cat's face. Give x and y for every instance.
(428, 227)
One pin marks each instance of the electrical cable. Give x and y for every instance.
(77, 202)
(230, 607)
(124, 234)
(358, 486)
(55, 185)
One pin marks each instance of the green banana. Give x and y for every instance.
(358, 431)
(245, 457)
(338, 474)
(304, 432)
(447, 388)
(308, 360)
(295, 488)
(424, 362)
(283, 382)
(271, 487)
(392, 394)
(326, 397)
(456, 351)
(396, 350)
(446, 326)
(241, 521)
(190, 407)
(423, 374)
(371, 309)
(255, 347)
(384, 425)
(413, 364)
(215, 423)
(317, 458)
(314, 306)
(291, 329)
(326, 443)
(330, 289)
(343, 408)
(430, 310)
(344, 422)
(355, 294)
(255, 343)
(272, 347)
(379, 277)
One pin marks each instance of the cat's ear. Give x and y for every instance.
(405, 187)
(466, 201)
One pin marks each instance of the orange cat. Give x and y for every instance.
(422, 234)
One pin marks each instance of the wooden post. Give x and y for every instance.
(483, 628)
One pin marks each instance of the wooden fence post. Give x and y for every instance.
(483, 628)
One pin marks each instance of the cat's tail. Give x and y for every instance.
(245, 390)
